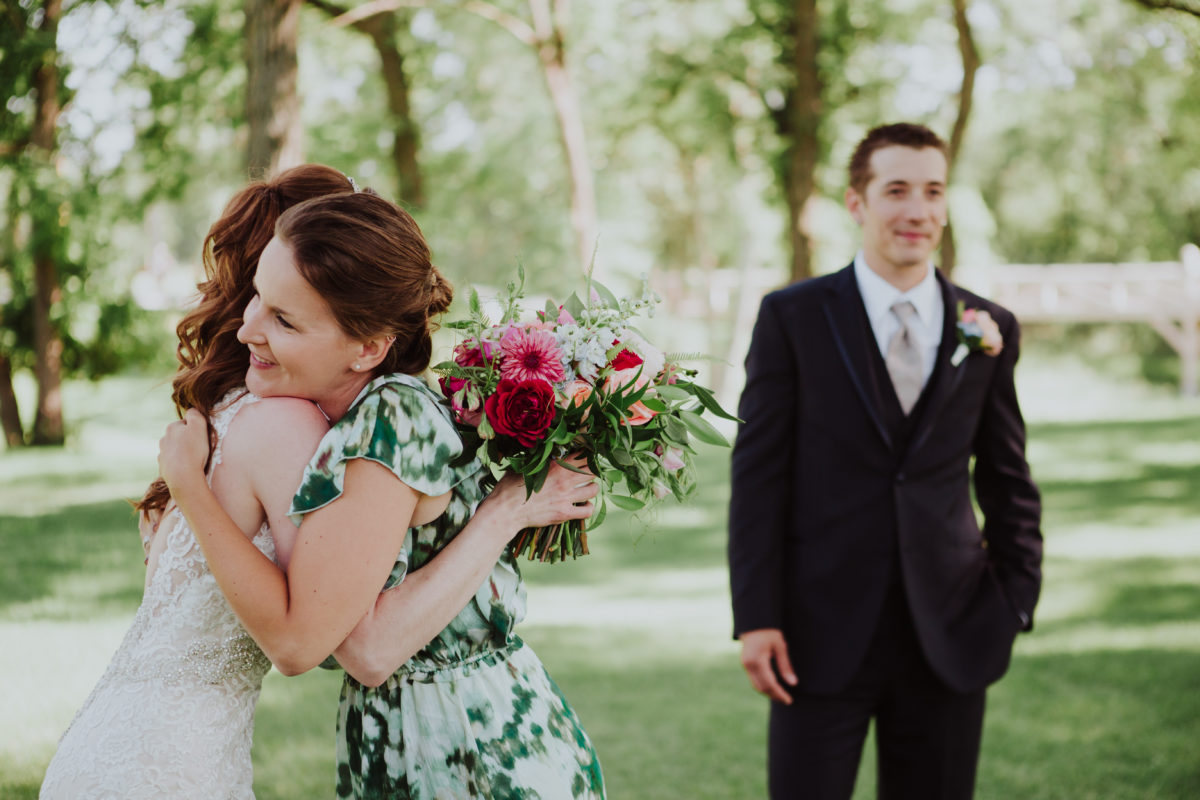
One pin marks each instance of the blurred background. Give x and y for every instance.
(700, 144)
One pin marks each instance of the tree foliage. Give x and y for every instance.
(1080, 147)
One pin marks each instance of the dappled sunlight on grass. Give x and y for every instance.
(1112, 725)
(1102, 700)
(70, 564)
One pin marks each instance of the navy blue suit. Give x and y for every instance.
(844, 509)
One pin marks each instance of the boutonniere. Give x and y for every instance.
(977, 332)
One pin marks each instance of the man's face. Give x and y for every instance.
(902, 209)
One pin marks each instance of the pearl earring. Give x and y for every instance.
(357, 367)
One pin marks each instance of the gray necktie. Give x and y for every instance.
(904, 358)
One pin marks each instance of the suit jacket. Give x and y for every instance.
(836, 494)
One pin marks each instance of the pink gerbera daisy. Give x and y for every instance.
(530, 354)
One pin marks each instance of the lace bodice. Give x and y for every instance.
(173, 714)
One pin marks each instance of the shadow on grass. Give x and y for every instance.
(1120, 472)
(72, 564)
(1100, 724)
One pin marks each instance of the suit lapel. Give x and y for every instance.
(946, 376)
(844, 310)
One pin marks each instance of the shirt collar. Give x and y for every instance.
(879, 296)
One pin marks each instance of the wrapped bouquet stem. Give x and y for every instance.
(577, 380)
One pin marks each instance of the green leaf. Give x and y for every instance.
(675, 428)
(702, 428)
(655, 405)
(622, 458)
(709, 401)
(574, 306)
(625, 502)
(606, 297)
(599, 515)
(673, 394)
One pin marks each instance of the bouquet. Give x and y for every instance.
(577, 379)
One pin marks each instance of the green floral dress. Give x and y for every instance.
(474, 713)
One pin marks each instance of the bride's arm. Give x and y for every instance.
(406, 617)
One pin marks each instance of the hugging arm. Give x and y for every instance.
(1005, 490)
(407, 616)
(343, 553)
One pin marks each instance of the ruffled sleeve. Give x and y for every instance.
(397, 422)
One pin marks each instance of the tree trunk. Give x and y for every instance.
(970, 64)
(802, 119)
(546, 37)
(549, 27)
(272, 104)
(10, 417)
(406, 140)
(48, 346)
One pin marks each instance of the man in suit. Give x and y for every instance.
(863, 586)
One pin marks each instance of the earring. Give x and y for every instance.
(357, 367)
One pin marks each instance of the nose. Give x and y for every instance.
(251, 330)
(922, 207)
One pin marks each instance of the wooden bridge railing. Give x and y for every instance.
(1162, 294)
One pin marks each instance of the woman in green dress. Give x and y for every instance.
(441, 699)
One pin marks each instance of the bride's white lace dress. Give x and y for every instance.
(173, 715)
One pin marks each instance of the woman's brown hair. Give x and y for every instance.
(368, 260)
(212, 362)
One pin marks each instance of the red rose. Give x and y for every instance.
(626, 359)
(451, 385)
(522, 410)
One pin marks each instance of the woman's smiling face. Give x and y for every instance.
(297, 348)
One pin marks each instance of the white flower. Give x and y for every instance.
(585, 349)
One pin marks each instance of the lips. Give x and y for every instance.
(260, 363)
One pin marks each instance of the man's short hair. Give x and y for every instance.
(904, 134)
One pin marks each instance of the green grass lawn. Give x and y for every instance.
(1102, 701)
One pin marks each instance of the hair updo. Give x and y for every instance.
(368, 260)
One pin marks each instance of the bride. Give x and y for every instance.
(173, 715)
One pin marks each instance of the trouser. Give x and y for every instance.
(927, 735)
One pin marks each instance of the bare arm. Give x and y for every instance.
(406, 617)
(343, 554)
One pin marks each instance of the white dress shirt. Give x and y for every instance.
(879, 296)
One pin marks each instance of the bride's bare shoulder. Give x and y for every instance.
(276, 428)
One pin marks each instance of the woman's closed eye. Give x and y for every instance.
(287, 325)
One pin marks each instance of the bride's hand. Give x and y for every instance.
(183, 451)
